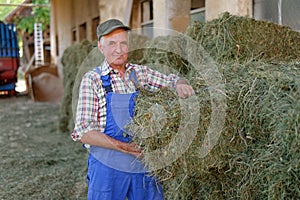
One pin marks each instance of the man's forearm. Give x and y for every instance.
(96, 138)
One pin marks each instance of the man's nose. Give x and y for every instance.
(118, 48)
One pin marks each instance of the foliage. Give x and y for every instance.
(5, 10)
(38, 14)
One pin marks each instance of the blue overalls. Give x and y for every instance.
(113, 175)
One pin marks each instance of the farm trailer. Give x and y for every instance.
(9, 58)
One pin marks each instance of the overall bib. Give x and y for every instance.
(113, 175)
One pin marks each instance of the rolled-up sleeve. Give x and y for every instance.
(91, 108)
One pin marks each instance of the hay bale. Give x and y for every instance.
(257, 153)
(246, 39)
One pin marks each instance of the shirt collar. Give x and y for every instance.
(106, 68)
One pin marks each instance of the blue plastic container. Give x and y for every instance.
(8, 87)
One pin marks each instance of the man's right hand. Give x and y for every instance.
(131, 148)
(96, 138)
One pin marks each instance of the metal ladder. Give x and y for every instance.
(38, 45)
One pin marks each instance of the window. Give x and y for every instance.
(74, 38)
(57, 47)
(197, 11)
(266, 10)
(147, 18)
(95, 23)
(278, 11)
(82, 32)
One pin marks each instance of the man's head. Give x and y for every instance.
(113, 41)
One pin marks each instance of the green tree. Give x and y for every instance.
(5, 10)
(38, 15)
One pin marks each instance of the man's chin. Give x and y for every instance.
(119, 62)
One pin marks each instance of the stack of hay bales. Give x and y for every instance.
(257, 154)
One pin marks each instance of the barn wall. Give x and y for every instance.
(236, 7)
(67, 19)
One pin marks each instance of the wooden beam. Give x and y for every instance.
(25, 5)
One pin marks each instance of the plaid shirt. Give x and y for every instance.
(91, 107)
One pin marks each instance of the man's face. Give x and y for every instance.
(114, 46)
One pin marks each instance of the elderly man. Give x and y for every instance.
(105, 106)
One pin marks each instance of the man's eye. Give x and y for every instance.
(124, 43)
(111, 43)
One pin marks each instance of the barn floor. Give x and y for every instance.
(37, 161)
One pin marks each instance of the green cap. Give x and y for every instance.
(108, 26)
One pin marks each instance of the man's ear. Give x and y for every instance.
(100, 47)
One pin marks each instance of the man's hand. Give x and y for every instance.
(184, 90)
(96, 138)
(130, 148)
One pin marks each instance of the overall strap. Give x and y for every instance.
(105, 81)
(134, 79)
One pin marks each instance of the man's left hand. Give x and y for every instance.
(184, 90)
